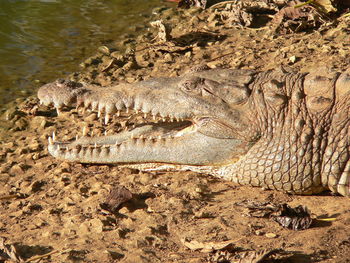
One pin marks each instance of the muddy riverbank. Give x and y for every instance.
(52, 206)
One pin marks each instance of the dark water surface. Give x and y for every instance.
(41, 40)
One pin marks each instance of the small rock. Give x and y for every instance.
(92, 117)
(20, 125)
(292, 59)
(36, 156)
(39, 122)
(117, 55)
(9, 145)
(271, 235)
(16, 169)
(188, 54)
(21, 150)
(145, 178)
(4, 177)
(37, 186)
(34, 147)
(11, 113)
(259, 232)
(65, 167)
(168, 57)
(96, 225)
(214, 64)
(104, 50)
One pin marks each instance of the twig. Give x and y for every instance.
(303, 4)
(10, 251)
(43, 256)
(7, 197)
(222, 3)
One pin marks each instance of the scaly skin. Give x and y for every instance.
(275, 129)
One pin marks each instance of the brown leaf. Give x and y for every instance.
(207, 246)
(254, 256)
(191, 3)
(116, 197)
(259, 209)
(9, 251)
(326, 5)
(297, 218)
(164, 30)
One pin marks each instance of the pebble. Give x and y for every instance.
(16, 169)
(21, 125)
(214, 64)
(259, 232)
(292, 59)
(34, 147)
(117, 55)
(188, 54)
(39, 122)
(104, 50)
(168, 57)
(4, 177)
(271, 235)
(91, 117)
(145, 178)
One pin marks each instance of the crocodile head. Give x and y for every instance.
(273, 129)
(204, 119)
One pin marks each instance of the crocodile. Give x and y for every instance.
(274, 129)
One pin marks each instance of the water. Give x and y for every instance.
(41, 40)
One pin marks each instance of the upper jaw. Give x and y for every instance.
(148, 99)
(189, 132)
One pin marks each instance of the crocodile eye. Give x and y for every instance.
(191, 85)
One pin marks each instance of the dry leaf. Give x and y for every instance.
(207, 247)
(327, 5)
(164, 30)
(297, 218)
(9, 251)
(191, 3)
(254, 256)
(116, 197)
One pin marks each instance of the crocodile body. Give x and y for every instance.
(275, 129)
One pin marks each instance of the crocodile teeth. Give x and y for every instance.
(85, 131)
(107, 119)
